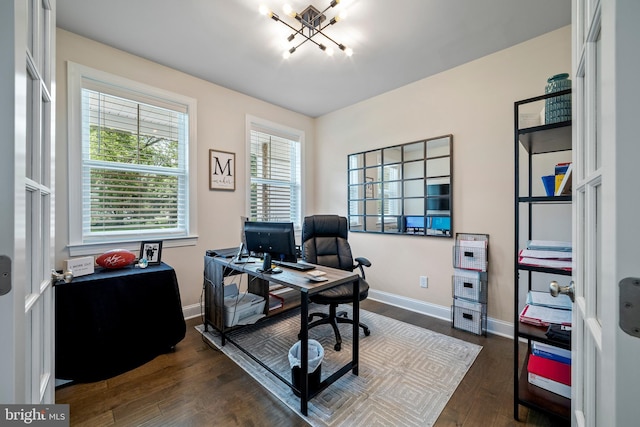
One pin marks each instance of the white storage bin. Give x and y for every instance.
(243, 309)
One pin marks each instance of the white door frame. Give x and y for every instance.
(606, 378)
(27, 81)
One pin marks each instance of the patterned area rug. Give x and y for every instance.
(406, 375)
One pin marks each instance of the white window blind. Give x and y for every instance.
(275, 176)
(134, 169)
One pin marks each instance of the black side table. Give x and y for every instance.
(113, 321)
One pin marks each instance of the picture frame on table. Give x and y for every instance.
(151, 251)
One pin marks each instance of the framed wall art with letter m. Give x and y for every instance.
(222, 170)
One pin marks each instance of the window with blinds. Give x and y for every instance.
(275, 181)
(134, 174)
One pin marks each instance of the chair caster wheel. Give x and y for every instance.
(367, 332)
(337, 347)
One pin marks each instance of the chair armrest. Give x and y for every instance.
(363, 261)
(360, 262)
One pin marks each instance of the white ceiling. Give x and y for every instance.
(227, 42)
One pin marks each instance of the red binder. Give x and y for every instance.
(554, 370)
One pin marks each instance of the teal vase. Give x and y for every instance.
(558, 108)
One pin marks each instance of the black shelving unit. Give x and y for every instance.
(547, 138)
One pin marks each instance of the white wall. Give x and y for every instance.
(474, 102)
(220, 125)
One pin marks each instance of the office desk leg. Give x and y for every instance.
(304, 352)
(356, 327)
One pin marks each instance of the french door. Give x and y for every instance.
(27, 68)
(606, 150)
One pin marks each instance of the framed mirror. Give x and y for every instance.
(403, 189)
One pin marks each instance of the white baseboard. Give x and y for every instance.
(494, 326)
(193, 310)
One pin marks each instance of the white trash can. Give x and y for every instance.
(314, 371)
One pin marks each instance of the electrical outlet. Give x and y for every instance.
(424, 282)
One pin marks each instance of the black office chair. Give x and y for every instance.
(324, 242)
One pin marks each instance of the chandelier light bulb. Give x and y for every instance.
(288, 10)
(329, 51)
(287, 53)
(342, 15)
(264, 10)
(348, 51)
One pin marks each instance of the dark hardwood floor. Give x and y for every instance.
(199, 386)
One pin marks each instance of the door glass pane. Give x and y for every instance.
(580, 260)
(43, 140)
(598, 101)
(29, 239)
(598, 415)
(30, 24)
(31, 114)
(598, 254)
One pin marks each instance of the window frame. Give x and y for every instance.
(76, 76)
(275, 129)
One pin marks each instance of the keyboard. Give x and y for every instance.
(301, 266)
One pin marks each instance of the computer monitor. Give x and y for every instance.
(441, 223)
(414, 223)
(275, 240)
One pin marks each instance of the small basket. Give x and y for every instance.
(469, 286)
(471, 317)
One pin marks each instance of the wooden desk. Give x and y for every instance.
(115, 320)
(216, 269)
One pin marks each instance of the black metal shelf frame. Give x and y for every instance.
(548, 138)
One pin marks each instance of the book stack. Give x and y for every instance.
(549, 367)
(563, 179)
(547, 253)
(542, 309)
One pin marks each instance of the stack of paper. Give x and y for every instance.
(542, 309)
(547, 253)
(538, 315)
(471, 255)
(545, 299)
(549, 245)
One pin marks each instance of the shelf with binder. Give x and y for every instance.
(469, 283)
(538, 212)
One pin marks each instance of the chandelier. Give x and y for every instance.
(312, 22)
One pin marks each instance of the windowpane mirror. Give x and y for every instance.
(403, 189)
